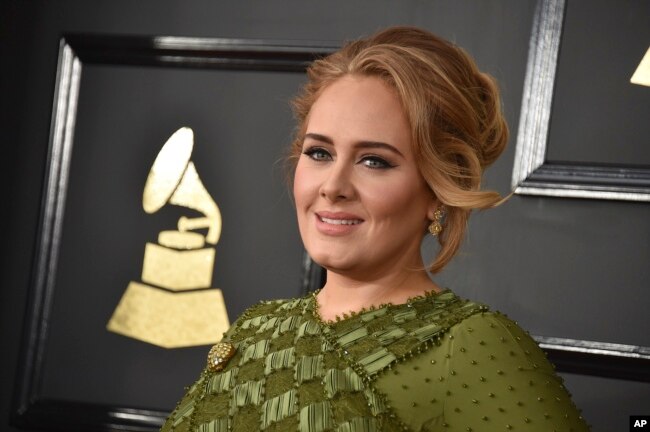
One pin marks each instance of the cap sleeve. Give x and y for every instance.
(499, 379)
(485, 374)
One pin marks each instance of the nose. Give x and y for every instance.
(338, 184)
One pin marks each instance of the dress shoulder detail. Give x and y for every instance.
(486, 374)
(376, 339)
(291, 371)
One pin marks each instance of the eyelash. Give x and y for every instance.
(313, 151)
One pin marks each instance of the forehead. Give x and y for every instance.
(358, 108)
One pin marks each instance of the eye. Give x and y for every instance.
(375, 162)
(318, 154)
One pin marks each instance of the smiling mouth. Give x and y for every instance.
(340, 221)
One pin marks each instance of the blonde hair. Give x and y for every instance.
(457, 124)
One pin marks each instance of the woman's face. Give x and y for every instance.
(362, 204)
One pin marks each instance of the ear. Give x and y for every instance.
(433, 206)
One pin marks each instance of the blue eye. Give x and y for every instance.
(318, 154)
(375, 162)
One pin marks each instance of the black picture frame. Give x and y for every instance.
(532, 173)
(31, 410)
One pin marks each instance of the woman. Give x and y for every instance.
(394, 133)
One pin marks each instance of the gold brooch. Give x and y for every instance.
(219, 355)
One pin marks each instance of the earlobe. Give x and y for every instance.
(436, 210)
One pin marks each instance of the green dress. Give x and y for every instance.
(435, 363)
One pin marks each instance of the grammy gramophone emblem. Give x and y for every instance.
(175, 306)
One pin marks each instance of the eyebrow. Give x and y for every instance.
(359, 144)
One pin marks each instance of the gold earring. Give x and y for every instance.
(436, 227)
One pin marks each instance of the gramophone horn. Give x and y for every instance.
(167, 170)
(173, 179)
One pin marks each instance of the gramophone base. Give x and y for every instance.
(178, 270)
(170, 319)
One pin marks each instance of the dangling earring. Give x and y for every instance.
(436, 227)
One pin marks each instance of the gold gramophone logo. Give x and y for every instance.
(641, 75)
(175, 306)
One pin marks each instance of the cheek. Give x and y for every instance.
(403, 201)
(388, 197)
(303, 187)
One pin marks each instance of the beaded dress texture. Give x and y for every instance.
(435, 363)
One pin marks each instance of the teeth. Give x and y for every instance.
(341, 221)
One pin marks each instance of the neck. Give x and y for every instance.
(344, 294)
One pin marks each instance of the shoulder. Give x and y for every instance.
(490, 333)
(446, 309)
(265, 307)
(485, 368)
(260, 313)
(508, 376)
(474, 331)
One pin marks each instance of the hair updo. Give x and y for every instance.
(454, 110)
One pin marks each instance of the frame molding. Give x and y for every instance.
(30, 409)
(602, 359)
(532, 174)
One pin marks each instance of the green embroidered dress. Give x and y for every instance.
(435, 363)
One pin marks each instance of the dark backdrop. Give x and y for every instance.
(561, 267)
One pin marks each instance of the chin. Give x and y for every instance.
(331, 262)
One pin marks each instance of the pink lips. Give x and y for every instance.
(337, 223)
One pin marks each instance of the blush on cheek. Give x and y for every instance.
(300, 186)
(400, 204)
(392, 198)
(305, 191)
